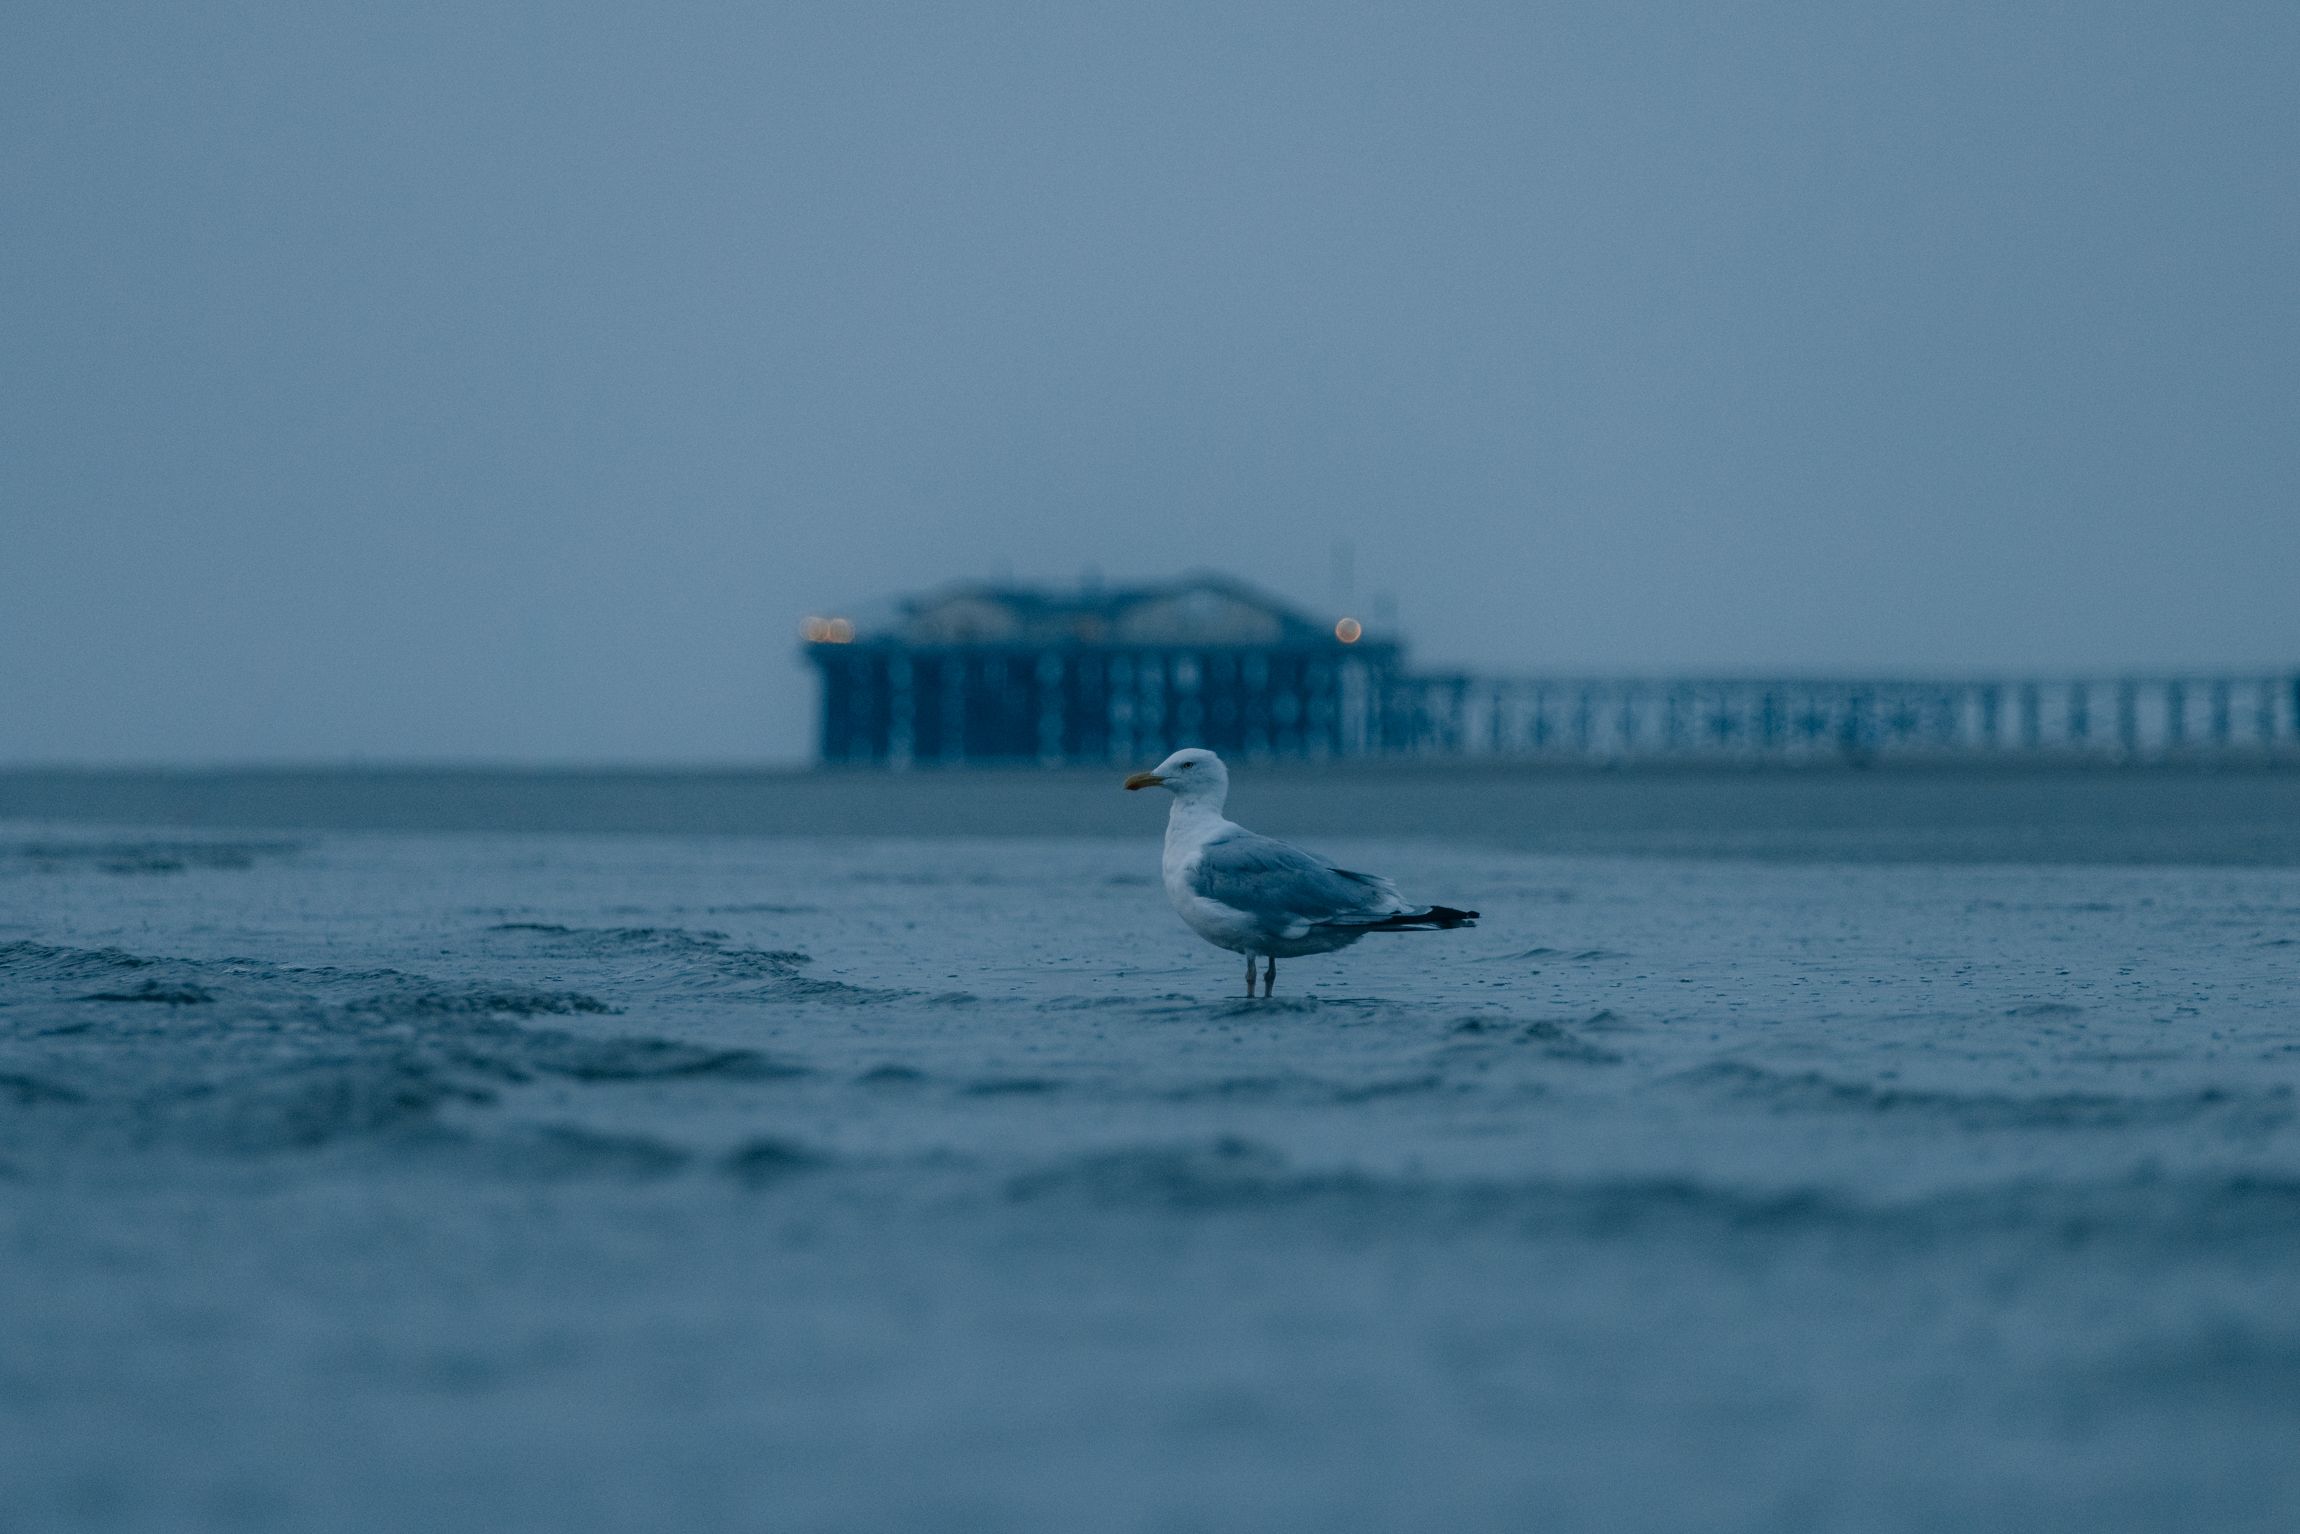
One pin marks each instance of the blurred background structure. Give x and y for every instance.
(1000, 673)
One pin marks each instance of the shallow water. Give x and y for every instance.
(533, 1182)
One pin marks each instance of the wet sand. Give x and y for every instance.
(519, 1180)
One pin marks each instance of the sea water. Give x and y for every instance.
(492, 1182)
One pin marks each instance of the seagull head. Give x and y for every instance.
(1193, 773)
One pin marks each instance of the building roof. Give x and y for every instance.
(1200, 609)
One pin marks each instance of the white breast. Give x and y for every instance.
(1223, 926)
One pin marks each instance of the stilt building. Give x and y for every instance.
(1013, 674)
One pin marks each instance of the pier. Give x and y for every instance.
(2126, 718)
(983, 674)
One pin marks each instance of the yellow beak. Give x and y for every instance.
(1144, 780)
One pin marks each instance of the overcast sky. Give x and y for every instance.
(471, 381)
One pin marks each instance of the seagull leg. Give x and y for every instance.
(1270, 977)
(1249, 977)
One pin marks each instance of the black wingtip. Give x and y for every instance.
(1438, 918)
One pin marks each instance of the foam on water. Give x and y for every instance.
(523, 1183)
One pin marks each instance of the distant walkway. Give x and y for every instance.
(2125, 719)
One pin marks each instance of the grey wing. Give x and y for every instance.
(1283, 885)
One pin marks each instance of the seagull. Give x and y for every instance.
(1259, 897)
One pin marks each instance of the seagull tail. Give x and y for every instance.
(1438, 918)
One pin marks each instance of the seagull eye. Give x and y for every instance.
(1186, 766)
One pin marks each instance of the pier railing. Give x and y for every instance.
(2131, 718)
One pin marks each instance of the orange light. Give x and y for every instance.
(1349, 630)
(827, 631)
